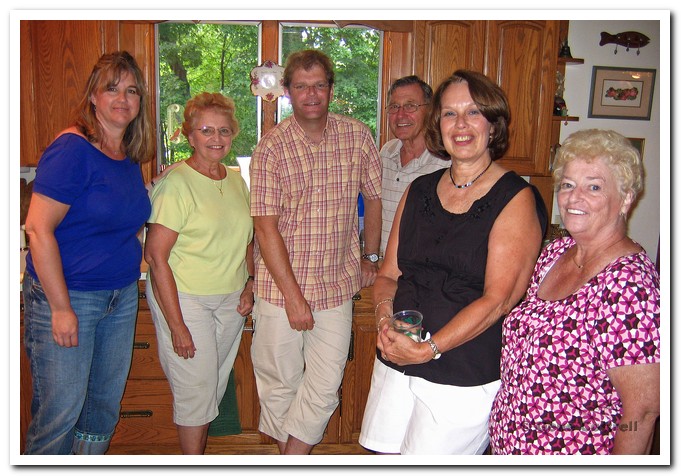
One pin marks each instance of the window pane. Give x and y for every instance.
(355, 53)
(194, 58)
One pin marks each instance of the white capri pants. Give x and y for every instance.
(298, 373)
(410, 415)
(198, 384)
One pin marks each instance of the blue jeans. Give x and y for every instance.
(77, 390)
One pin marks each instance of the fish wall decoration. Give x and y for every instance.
(629, 39)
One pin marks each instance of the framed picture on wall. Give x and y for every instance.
(621, 93)
(638, 144)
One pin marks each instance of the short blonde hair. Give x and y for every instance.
(204, 101)
(614, 149)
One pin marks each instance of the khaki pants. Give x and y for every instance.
(298, 373)
(198, 384)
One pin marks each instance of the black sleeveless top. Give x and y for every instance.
(442, 257)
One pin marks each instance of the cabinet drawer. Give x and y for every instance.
(145, 324)
(142, 294)
(146, 414)
(145, 362)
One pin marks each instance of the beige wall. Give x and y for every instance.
(584, 37)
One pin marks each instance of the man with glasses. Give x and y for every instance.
(405, 157)
(306, 174)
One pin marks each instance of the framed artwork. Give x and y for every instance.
(621, 93)
(638, 144)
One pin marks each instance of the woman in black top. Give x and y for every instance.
(461, 251)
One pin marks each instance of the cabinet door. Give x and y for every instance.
(56, 60)
(26, 388)
(249, 405)
(522, 60)
(447, 46)
(360, 366)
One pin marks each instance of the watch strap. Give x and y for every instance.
(436, 351)
(373, 257)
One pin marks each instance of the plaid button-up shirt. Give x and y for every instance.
(313, 188)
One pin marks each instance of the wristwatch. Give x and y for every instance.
(436, 351)
(373, 257)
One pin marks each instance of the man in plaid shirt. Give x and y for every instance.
(306, 175)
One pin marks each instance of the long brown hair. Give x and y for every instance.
(138, 138)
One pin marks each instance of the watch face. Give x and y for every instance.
(373, 257)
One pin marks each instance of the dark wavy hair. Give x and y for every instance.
(138, 138)
(306, 59)
(493, 105)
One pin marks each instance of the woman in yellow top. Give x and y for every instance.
(199, 248)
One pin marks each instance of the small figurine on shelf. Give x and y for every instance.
(559, 106)
(565, 50)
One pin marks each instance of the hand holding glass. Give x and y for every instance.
(409, 323)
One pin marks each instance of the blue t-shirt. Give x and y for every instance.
(108, 205)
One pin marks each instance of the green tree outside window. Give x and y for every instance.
(218, 57)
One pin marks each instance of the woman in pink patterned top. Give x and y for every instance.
(580, 368)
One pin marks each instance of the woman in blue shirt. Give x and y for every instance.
(80, 287)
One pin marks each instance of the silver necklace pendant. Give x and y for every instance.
(468, 184)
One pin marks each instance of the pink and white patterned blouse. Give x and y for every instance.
(556, 397)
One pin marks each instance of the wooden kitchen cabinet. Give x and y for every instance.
(146, 424)
(56, 59)
(26, 386)
(358, 370)
(147, 405)
(521, 56)
(518, 55)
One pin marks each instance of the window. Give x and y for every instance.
(355, 53)
(218, 57)
(212, 57)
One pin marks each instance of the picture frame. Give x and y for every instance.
(638, 143)
(621, 93)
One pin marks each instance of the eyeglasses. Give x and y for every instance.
(409, 107)
(209, 131)
(299, 88)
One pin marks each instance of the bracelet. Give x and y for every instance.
(382, 302)
(378, 326)
(250, 278)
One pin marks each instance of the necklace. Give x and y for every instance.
(104, 147)
(191, 161)
(468, 184)
(580, 266)
(218, 187)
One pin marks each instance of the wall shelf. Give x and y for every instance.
(570, 61)
(565, 118)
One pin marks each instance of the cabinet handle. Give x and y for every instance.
(141, 345)
(137, 414)
(351, 350)
(141, 295)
